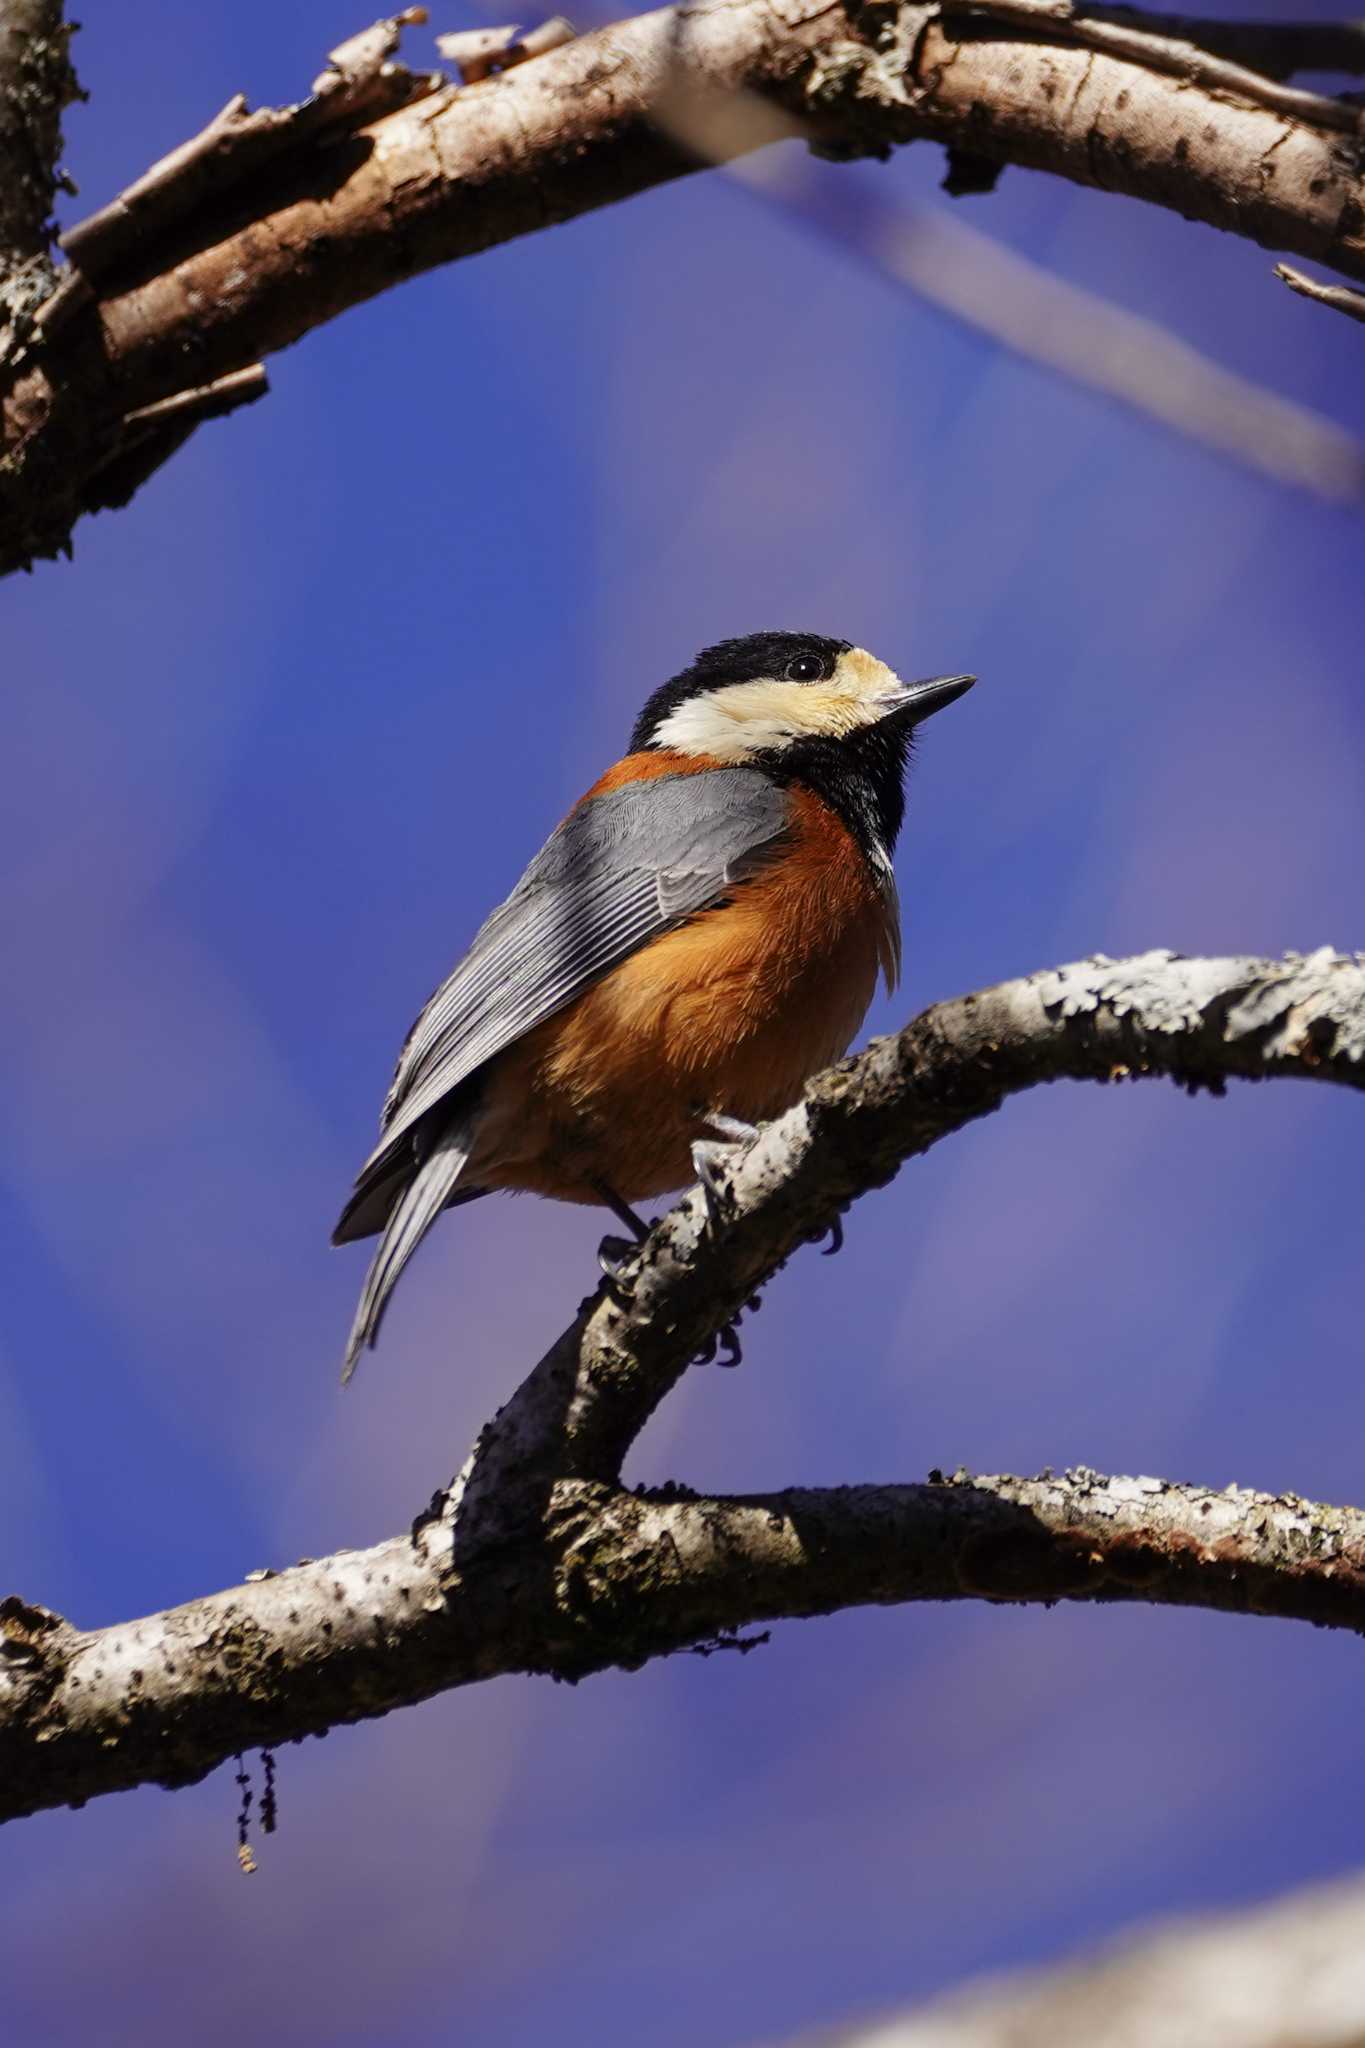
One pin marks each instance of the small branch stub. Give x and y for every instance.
(1339, 297)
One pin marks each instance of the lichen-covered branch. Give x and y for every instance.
(615, 1578)
(535, 1559)
(271, 223)
(1199, 1022)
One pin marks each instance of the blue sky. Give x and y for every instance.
(273, 744)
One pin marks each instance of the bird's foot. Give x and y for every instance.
(835, 1233)
(612, 1254)
(732, 1127)
(726, 1340)
(712, 1161)
(622, 1210)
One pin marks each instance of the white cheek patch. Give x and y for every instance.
(764, 716)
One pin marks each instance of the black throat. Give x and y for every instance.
(861, 778)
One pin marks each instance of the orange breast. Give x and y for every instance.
(733, 1012)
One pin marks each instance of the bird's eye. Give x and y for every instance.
(805, 668)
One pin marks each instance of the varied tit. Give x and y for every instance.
(702, 933)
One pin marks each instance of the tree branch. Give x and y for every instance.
(619, 1578)
(1339, 297)
(271, 224)
(36, 83)
(536, 1560)
(1278, 48)
(1125, 32)
(1199, 1022)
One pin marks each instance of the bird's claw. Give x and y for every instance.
(711, 1163)
(728, 1338)
(836, 1238)
(612, 1254)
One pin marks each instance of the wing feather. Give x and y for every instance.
(623, 867)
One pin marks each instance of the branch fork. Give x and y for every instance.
(537, 1559)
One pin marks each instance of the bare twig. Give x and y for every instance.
(1278, 48)
(208, 402)
(536, 1560)
(1133, 36)
(1339, 297)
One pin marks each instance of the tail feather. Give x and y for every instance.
(412, 1217)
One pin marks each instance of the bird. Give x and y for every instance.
(702, 933)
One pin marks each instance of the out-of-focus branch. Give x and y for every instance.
(1287, 1975)
(269, 224)
(1062, 327)
(535, 1559)
(1099, 345)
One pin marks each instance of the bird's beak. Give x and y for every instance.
(913, 702)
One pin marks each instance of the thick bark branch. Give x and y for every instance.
(618, 1578)
(276, 223)
(1199, 1022)
(536, 1560)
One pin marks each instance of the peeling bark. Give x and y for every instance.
(272, 223)
(536, 1560)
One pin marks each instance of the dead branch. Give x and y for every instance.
(269, 224)
(536, 1560)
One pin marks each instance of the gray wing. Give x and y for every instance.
(622, 868)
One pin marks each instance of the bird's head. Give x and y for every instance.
(805, 708)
